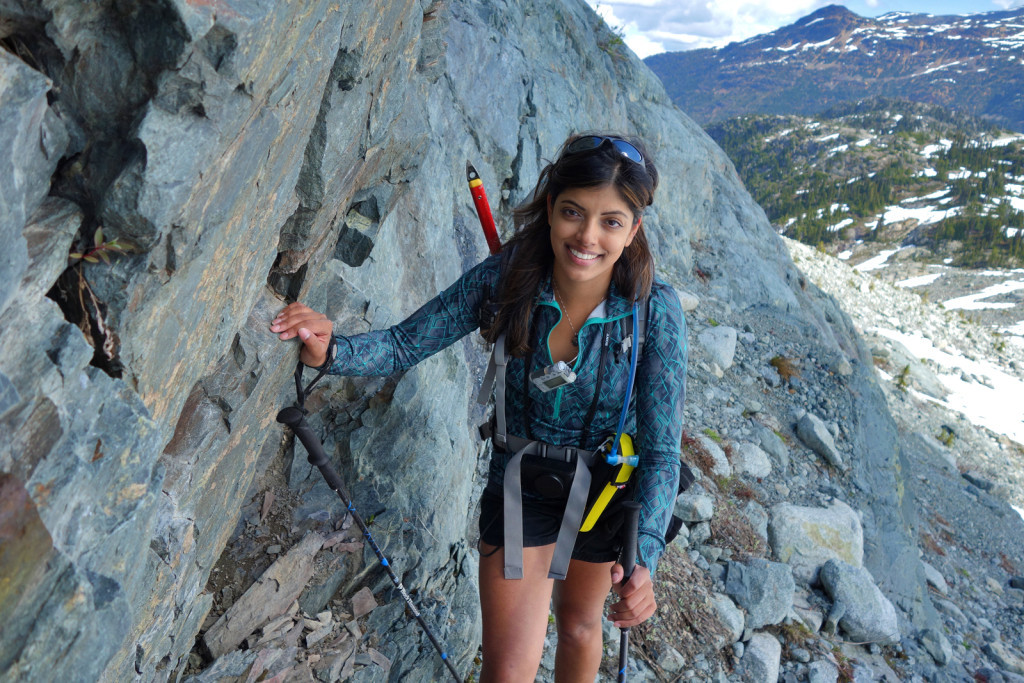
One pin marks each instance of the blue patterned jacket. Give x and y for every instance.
(557, 417)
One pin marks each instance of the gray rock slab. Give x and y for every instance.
(315, 596)
(932, 448)
(807, 537)
(862, 611)
(269, 597)
(816, 436)
(231, 666)
(32, 141)
(774, 446)
(761, 657)
(720, 344)
(764, 589)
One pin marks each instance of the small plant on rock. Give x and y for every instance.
(101, 249)
(903, 379)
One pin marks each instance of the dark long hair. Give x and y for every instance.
(528, 256)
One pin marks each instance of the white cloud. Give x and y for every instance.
(1008, 4)
(688, 24)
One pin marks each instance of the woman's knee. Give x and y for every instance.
(575, 628)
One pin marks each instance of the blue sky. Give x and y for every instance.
(653, 26)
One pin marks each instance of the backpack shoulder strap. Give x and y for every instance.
(495, 378)
(643, 312)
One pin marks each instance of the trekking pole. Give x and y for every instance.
(631, 511)
(483, 209)
(295, 417)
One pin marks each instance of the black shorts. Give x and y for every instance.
(541, 521)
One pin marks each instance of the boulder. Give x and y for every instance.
(758, 518)
(750, 459)
(934, 578)
(730, 616)
(269, 597)
(859, 607)
(694, 507)
(774, 446)
(937, 645)
(816, 436)
(807, 537)
(760, 662)
(720, 344)
(822, 671)
(1006, 658)
(722, 467)
(688, 301)
(763, 588)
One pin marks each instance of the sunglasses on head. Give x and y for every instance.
(592, 142)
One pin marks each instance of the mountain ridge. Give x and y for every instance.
(969, 62)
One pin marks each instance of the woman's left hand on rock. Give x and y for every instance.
(313, 328)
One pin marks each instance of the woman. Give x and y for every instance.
(562, 289)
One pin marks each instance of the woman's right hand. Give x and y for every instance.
(312, 328)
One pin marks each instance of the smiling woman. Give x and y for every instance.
(561, 301)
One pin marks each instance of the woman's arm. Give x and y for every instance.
(661, 390)
(440, 322)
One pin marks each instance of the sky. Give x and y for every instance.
(653, 26)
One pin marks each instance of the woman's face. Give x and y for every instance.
(589, 229)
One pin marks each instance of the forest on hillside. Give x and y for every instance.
(872, 172)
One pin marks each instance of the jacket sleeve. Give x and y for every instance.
(438, 324)
(660, 391)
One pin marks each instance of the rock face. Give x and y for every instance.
(245, 155)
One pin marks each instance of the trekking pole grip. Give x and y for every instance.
(631, 512)
(294, 418)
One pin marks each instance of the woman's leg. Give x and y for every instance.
(515, 614)
(579, 608)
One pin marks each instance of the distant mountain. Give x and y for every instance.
(889, 171)
(972, 63)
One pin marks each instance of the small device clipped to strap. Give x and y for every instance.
(553, 376)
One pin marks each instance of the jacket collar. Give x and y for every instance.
(615, 304)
